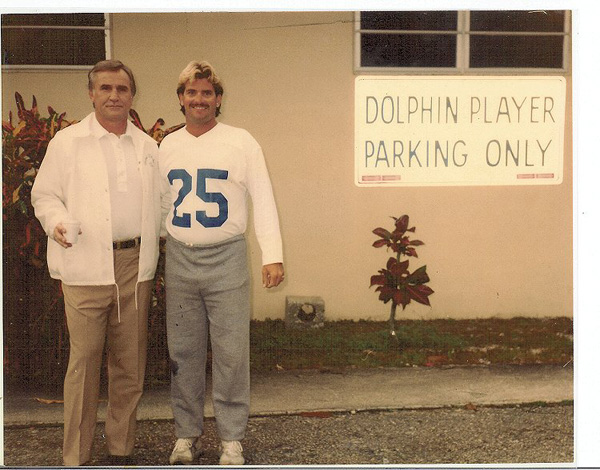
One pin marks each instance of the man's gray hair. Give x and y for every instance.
(111, 66)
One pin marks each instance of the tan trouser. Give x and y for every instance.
(92, 319)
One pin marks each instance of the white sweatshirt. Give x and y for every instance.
(205, 185)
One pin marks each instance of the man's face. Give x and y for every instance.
(200, 102)
(112, 96)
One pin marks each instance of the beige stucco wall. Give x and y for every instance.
(490, 251)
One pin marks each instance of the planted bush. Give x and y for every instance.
(395, 282)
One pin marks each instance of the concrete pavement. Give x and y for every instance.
(291, 392)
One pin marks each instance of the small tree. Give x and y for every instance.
(395, 282)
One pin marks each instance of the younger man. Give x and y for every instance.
(208, 170)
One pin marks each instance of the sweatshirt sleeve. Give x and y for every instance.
(165, 203)
(47, 195)
(266, 221)
(165, 190)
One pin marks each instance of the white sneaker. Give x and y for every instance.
(231, 453)
(186, 450)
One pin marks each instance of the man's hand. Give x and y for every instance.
(272, 275)
(59, 235)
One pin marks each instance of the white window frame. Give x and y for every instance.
(463, 34)
(107, 28)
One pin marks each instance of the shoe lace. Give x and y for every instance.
(232, 447)
(183, 444)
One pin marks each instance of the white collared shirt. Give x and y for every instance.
(124, 181)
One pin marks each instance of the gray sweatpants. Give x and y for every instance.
(208, 289)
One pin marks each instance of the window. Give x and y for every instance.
(54, 40)
(462, 41)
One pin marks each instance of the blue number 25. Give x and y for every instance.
(184, 220)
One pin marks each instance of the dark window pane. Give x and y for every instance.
(409, 20)
(63, 19)
(408, 50)
(525, 21)
(516, 51)
(52, 47)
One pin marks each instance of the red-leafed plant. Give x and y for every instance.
(156, 131)
(31, 301)
(395, 282)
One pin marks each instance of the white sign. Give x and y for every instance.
(445, 131)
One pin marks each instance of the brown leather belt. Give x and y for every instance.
(127, 244)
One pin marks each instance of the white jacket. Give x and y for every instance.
(73, 183)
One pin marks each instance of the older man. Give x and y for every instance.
(102, 173)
